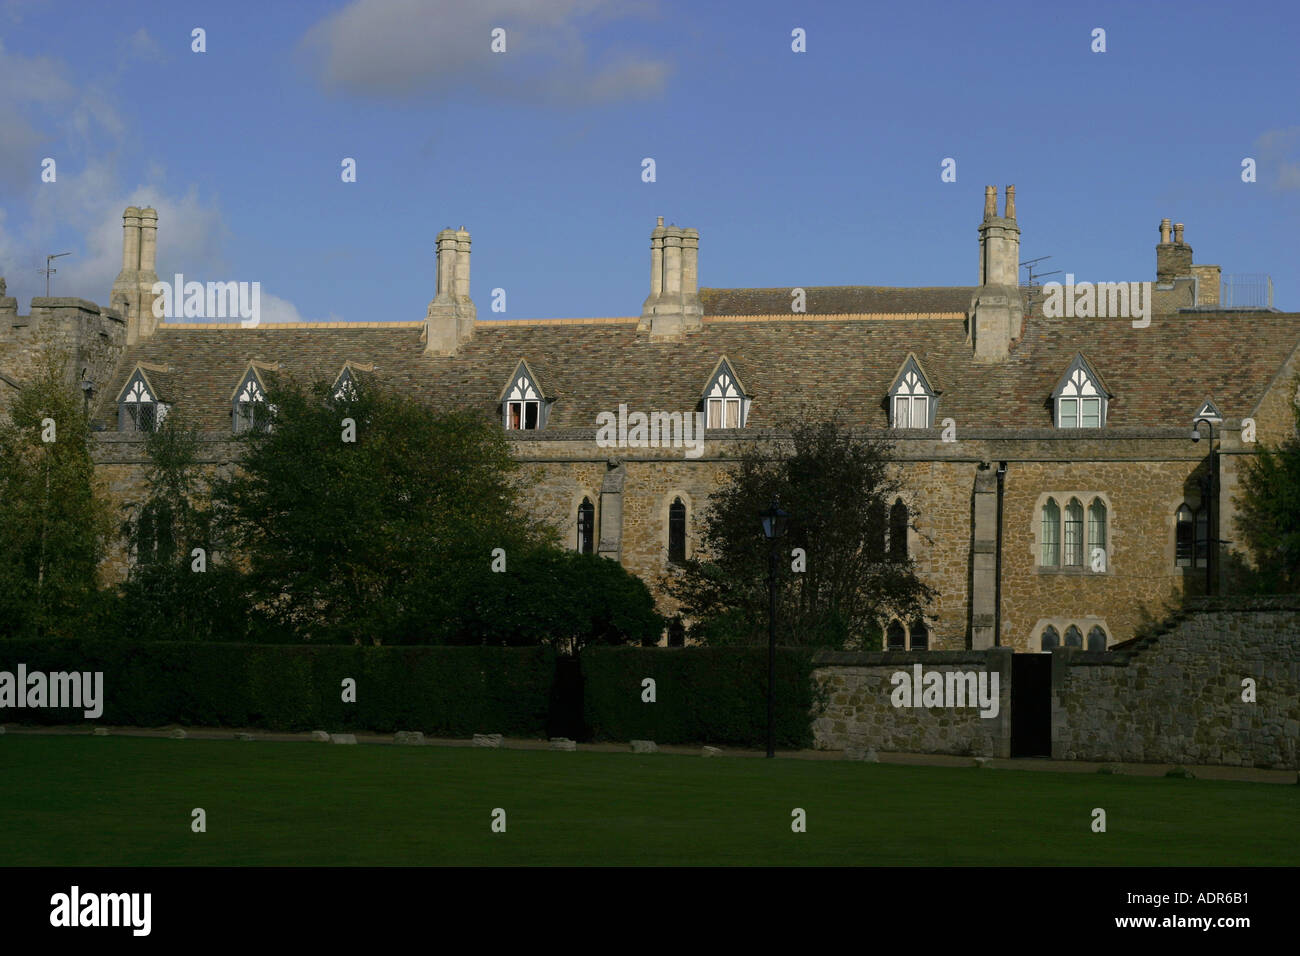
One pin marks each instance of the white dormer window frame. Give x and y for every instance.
(139, 410)
(250, 409)
(345, 386)
(1080, 400)
(523, 407)
(911, 399)
(725, 402)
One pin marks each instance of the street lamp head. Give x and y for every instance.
(774, 521)
(1196, 434)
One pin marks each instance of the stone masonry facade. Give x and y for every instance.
(977, 472)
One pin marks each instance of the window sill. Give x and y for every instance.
(1071, 572)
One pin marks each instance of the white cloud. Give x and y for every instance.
(1279, 158)
(442, 47)
(43, 113)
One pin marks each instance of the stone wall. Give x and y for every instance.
(1176, 696)
(859, 712)
(92, 339)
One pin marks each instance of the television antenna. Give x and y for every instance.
(49, 270)
(1032, 280)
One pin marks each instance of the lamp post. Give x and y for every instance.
(1211, 539)
(774, 524)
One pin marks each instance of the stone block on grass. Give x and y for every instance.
(563, 743)
(711, 752)
(343, 738)
(487, 740)
(644, 747)
(864, 755)
(320, 736)
(409, 738)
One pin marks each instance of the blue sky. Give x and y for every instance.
(816, 168)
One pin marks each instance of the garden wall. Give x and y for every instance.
(1176, 696)
(860, 712)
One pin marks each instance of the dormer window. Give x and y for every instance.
(911, 399)
(250, 410)
(138, 408)
(1080, 398)
(345, 386)
(725, 404)
(523, 406)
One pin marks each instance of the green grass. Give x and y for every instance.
(89, 801)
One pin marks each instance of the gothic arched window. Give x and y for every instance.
(898, 516)
(677, 532)
(1097, 639)
(586, 527)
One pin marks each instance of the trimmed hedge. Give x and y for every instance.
(703, 695)
(444, 691)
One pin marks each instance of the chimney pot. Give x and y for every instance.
(1178, 233)
(1011, 202)
(659, 221)
(990, 202)
(1164, 231)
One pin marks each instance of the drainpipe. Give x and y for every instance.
(997, 564)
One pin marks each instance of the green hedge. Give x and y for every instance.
(703, 695)
(447, 691)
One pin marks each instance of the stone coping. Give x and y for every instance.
(891, 658)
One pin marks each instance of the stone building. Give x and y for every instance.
(1059, 496)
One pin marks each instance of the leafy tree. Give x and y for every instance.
(1268, 516)
(838, 491)
(172, 593)
(377, 539)
(54, 526)
(563, 598)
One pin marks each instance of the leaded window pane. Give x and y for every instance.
(1097, 529)
(1069, 413)
(1184, 537)
(1051, 534)
(1091, 413)
(586, 526)
(1097, 639)
(1074, 534)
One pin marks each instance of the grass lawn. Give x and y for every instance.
(87, 801)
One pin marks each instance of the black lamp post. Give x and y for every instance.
(1209, 487)
(774, 523)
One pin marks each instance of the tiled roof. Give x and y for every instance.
(837, 300)
(1159, 375)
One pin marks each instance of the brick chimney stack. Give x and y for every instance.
(673, 306)
(449, 321)
(132, 292)
(1173, 259)
(996, 314)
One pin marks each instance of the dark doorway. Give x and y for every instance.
(565, 717)
(1031, 705)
